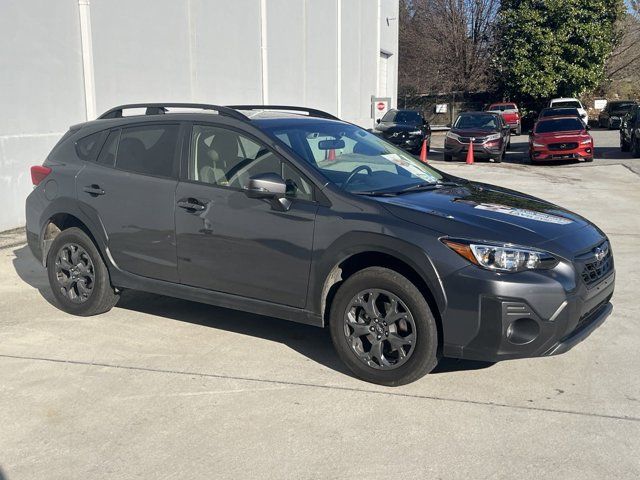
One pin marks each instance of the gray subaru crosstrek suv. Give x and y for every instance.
(292, 213)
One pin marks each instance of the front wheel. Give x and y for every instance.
(383, 329)
(624, 146)
(78, 276)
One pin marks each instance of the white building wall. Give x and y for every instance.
(317, 53)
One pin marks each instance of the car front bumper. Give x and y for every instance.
(615, 122)
(407, 142)
(480, 150)
(543, 154)
(492, 317)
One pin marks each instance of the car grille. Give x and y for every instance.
(476, 139)
(563, 146)
(596, 269)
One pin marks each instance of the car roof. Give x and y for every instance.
(256, 118)
(502, 103)
(405, 110)
(557, 117)
(474, 112)
(565, 99)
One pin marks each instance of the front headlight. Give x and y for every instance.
(415, 132)
(585, 142)
(492, 137)
(501, 258)
(452, 136)
(539, 145)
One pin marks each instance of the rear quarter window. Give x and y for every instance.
(87, 148)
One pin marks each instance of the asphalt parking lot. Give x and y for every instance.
(160, 387)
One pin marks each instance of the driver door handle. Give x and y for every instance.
(192, 204)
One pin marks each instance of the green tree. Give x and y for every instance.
(554, 47)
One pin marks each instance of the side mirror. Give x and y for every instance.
(378, 121)
(269, 186)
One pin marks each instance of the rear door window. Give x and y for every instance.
(148, 149)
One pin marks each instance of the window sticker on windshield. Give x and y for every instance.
(409, 166)
(524, 213)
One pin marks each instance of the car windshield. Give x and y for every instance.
(503, 107)
(476, 121)
(352, 158)
(400, 116)
(621, 106)
(556, 112)
(567, 103)
(559, 125)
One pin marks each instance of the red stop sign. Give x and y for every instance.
(381, 106)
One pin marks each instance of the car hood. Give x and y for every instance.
(472, 132)
(561, 136)
(486, 212)
(386, 127)
(619, 113)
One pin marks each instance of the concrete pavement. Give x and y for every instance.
(160, 387)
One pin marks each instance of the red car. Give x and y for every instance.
(510, 113)
(560, 138)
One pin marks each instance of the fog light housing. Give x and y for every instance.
(523, 331)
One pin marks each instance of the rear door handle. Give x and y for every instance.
(94, 190)
(191, 204)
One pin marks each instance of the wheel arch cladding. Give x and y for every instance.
(58, 219)
(356, 262)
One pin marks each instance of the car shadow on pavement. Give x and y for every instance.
(312, 342)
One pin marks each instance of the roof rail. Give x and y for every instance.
(312, 112)
(160, 108)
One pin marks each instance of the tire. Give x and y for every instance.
(589, 159)
(635, 147)
(73, 260)
(624, 146)
(384, 366)
(447, 157)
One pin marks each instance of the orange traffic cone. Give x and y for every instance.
(470, 153)
(332, 155)
(423, 152)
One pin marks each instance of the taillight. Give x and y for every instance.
(39, 173)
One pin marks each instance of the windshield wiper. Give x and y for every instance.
(426, 186)
(412, 188)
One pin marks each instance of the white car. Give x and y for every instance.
(572, 103)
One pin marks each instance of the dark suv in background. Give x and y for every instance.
(630, 131)
(614, 111)
(407, 129)
(292, 213)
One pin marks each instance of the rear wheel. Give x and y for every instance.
(447, 157)
(383, 329)
(78, 276)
